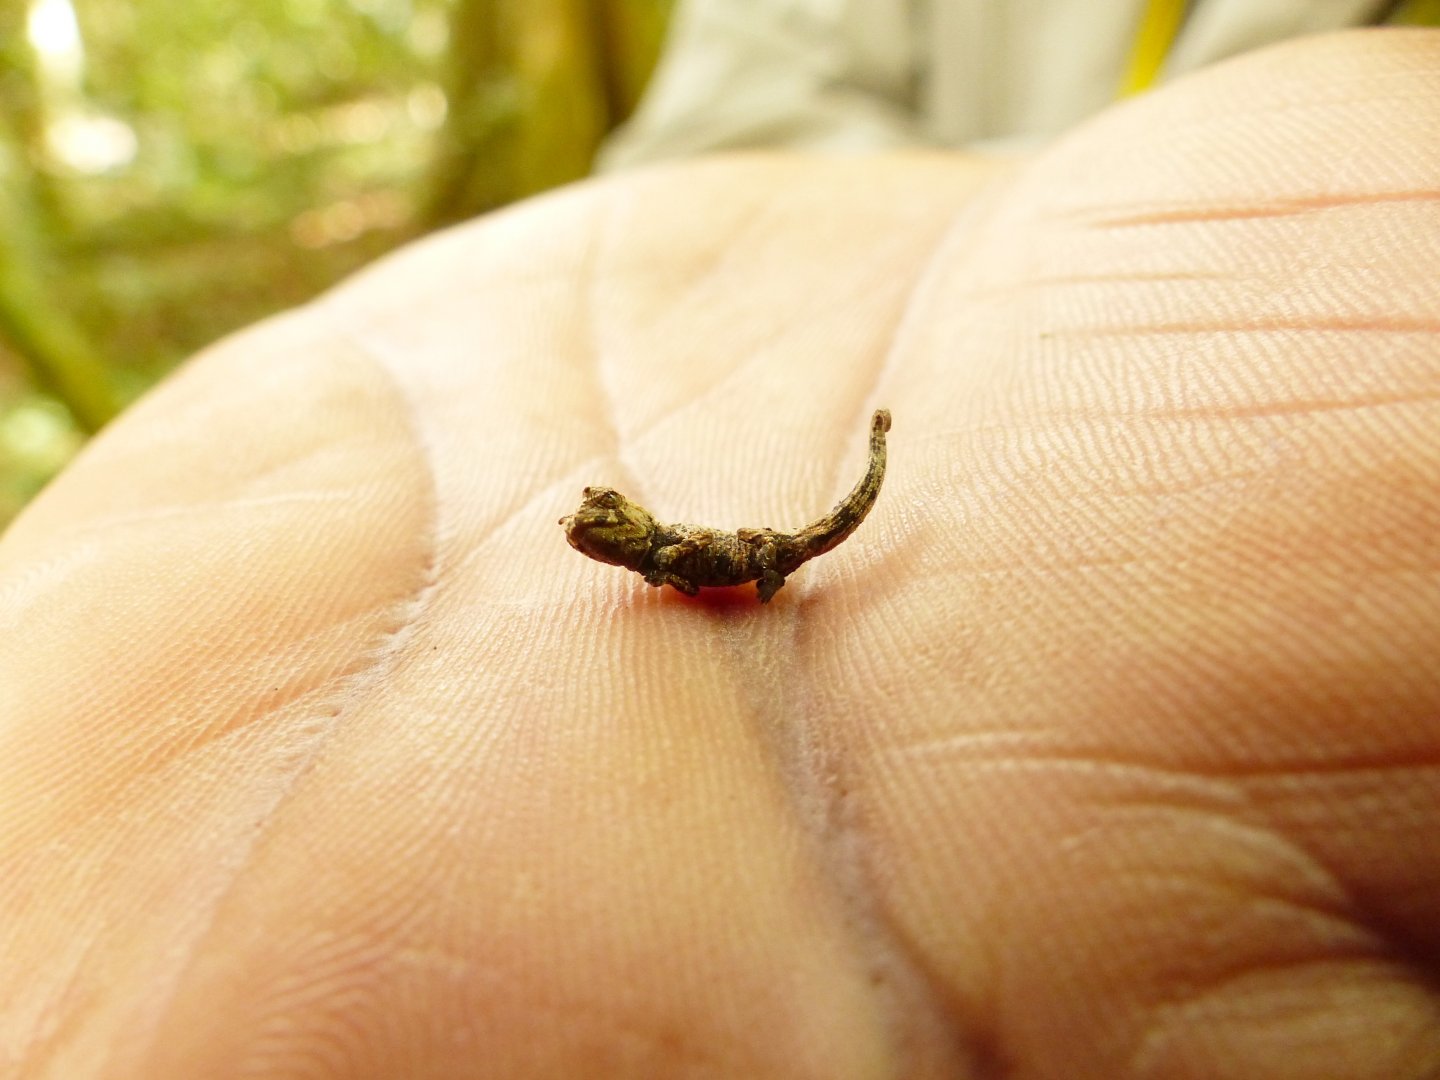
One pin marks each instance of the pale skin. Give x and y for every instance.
(1104, 749)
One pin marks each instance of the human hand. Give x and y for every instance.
(1106, 746)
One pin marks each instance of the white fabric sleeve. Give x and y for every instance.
(831, 75)
(858, 75)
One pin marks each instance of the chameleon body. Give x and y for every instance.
(610, 528)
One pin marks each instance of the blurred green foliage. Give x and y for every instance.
(171, 171)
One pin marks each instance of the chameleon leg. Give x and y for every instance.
(768, 586)
(660, 577)
(770, 579)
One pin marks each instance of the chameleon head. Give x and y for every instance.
(610, 528)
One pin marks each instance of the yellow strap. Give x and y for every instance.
(1158, 26)
(1416, 13)
(1161, 19)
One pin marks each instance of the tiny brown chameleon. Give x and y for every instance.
(610, 528)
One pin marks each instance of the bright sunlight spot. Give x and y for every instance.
(54, 33)
(91, 144)
(53, 29)
(39, 433)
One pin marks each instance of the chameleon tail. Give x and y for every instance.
(822, 535)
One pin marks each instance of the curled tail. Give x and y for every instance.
(822, 535)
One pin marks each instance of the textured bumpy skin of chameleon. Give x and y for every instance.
(610, 528)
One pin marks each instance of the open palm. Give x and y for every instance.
(1106, 747)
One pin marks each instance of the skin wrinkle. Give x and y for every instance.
(1345, 935)
(1183, 214)
(1271, 410)
(1377, 958)
(770, 708)
(805, 762)
(1223, 818)
(607, 394)
(475, 546)
(1343, 915)
(604, 382)
(842, 837)
(1350, 908)
(161, 759)
(337, 988)
(731, 375)
(705, 393)
(380, 660)
(563, 481)
(935, 270)
(71, 1019)
(1191, 999)
(1418, 959)
(837, 833)
(783, 718)
(1045, 285)
(155, 514)
(103, 525)
(856, 892)
(548, 493)
(833, 831)
(704, 271)
(1308, 324)
(1111, 759)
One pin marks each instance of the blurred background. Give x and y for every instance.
(171, 171)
